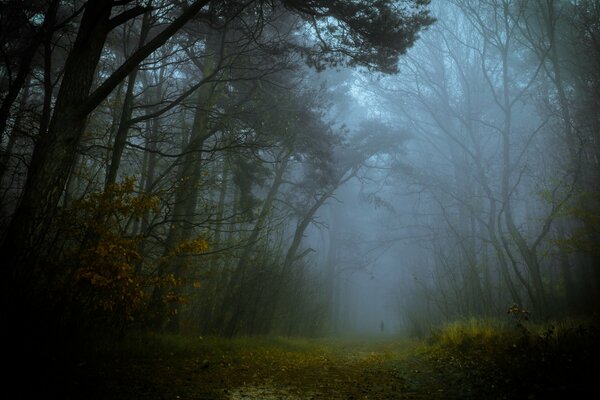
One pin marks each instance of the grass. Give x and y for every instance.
(471, 359)
(473, 329)
(498, 359)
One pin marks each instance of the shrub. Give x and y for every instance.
(519, 359)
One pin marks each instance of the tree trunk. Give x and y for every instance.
(232, 307)
(124, 124)
(186, 197)
(12, 139)
(55, 153)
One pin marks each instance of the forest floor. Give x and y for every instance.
(171, 367)
(277, 368)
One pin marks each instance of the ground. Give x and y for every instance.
(276, 368)
(175, 367)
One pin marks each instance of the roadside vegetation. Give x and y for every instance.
(204, 199)
(471, 359)
(496, 359)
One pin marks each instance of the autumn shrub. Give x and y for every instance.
(516, 357)
(474, 331)
(103, 252)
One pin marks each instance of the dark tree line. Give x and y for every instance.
(161, 161)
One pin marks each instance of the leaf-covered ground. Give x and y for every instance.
(165, 367)
(207, 368)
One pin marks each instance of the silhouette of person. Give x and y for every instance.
(381, 326)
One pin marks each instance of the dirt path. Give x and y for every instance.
(252, 369)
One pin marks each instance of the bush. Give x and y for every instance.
(519, 359)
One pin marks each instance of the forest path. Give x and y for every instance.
(253, 369)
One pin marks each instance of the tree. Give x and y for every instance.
(354, 33)
(476, 96)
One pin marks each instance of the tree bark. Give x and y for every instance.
(124, 120)
(231, 309)
(55, 153)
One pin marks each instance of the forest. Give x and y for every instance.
(286, 199)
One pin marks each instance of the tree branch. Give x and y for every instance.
(95, 98)
(126, 16)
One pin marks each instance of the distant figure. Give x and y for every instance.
(381, 326)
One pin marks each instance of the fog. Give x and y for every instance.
(475, 211)
(293, 199)
(298, 168)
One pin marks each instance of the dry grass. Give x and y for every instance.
(518, 359)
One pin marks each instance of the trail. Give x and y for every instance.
(509, 366)
(253, 369)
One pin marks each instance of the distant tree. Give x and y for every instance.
(491, 165)
(362, 34)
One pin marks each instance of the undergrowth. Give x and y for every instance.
(471, 359)
(518, 358)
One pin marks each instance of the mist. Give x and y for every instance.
(346, 181)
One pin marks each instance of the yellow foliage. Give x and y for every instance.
(110, 210)
(105, 275)
(194, 246)
(105, 255)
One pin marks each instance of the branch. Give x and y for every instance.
(304, 253)
(95, 98)
(126, 16)
(169, 106)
